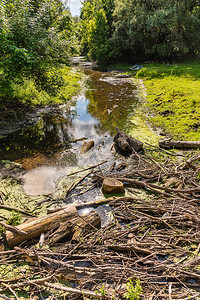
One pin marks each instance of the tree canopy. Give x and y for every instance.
(135, 29)
(34, 34)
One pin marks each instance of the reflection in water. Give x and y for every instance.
(43, 138)
(112, 101)
(108, 102)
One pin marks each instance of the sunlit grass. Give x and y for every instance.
(173, 96)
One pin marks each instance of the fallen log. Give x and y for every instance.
(167, 144)
(76, 227)
(12, 228)
(126, 143)
(35, 226)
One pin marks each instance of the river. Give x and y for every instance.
(50, 147)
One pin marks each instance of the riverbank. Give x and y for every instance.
(172, 97)
(21, 96)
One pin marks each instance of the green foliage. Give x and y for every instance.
(59, 85)
(162, 28)
(96, 29)
(102, 291)
(141, 30)
(34, 35)
(133, 292)
(15, 219)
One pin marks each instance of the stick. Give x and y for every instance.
(73, 290)
(155, 186)
(26, 283)
(13, 228)
(89, 168)
(13, 292)
(74, 185)
(16, 209)
(93, 203)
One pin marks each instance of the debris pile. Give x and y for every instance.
(152, 241)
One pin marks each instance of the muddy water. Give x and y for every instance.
(50, 147)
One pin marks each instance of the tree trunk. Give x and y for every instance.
(35, 226)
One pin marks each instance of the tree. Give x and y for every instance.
(97, 28)
(34, 34)
(160, 28)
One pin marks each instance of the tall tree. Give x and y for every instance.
(34, 34)
(97, 29)
(161, 28)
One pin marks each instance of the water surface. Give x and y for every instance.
(51, 146)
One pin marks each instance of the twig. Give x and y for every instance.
(16, 209)
(13, 228)
(13, 292)
(72, 290)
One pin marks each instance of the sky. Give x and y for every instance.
(75, 7)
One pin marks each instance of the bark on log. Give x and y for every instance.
(127, 143)
(167, 144)
(76, 227)
(35, 226)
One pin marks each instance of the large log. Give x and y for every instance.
(76, 227)
(35, 226)
(167, 144)
(127, 143)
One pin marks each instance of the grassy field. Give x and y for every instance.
(173, 97)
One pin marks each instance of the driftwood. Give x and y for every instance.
(179, 144)
(86, 146)
(155, 237)
(126, 143)
(75, 228)
(12, 228)
(35, 226)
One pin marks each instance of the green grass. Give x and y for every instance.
(173, 97)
